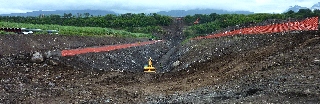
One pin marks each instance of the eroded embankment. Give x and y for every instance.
(249, 68)
(265, 68)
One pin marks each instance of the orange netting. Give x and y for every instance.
(305, 25)
(72, 52)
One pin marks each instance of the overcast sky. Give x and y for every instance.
(151, 6)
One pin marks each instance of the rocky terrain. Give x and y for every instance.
(270, 68)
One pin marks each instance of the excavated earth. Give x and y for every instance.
(268, 68)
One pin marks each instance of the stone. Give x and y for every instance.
(176, 63)
(37, 57)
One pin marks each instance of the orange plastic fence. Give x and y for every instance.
(305, 25)
(72, 52)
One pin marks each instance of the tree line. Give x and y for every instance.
(139, 23)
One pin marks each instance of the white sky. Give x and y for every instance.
(151, 6)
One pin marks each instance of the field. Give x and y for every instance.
(269, 68)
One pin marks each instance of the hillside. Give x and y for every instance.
(269, 68)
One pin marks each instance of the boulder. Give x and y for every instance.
(37, 57)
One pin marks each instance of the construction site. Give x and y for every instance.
(262, 64)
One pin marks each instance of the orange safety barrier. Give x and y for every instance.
(72, 52)
(305, 25)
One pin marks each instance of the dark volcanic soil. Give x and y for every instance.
(273, 68)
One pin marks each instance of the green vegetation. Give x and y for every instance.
(72, 30)
(4, 33)
(137, 23)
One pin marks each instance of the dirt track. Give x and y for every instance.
(274, 68)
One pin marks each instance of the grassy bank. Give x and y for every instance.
(72, 30)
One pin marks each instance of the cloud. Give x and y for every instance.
(137, 6)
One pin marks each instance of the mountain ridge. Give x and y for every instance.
(62, 12)
(296, 8)
(173, 13)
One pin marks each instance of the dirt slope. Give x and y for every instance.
(282, 70)
(273, 68)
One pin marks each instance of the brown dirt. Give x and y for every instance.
(273, 68)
